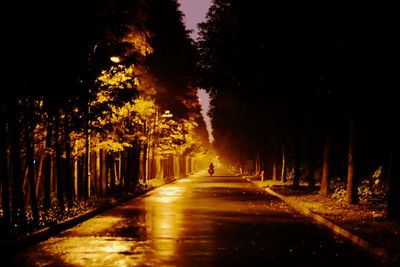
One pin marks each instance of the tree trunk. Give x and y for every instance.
(25, 183)
(68, 165)
(351, 188)
(60, 182)
(18, 210)
(144, 163)
(87, 163)
(274, 176)
(5, 186)
(325, 189)
(263, 165)
(30, 156)
(48, 170)
(296, 169)
(81, 188)
(87, 168)
(129, 167)
(103, 172)
(111, 171)
(85, 177)
(98, 173)
(39, 175)
(136, 162)
(75, 178)
(283, 167)
(311, 165)
(116, 170)
(124, 168)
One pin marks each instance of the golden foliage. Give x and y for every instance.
(144, 108)
(121, 122)
(138, 40)
(119, 77)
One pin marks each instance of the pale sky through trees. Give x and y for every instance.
(195, 12)
(205, 105)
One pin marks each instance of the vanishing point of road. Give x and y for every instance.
(196, 221)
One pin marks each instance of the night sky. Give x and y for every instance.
(195, 12)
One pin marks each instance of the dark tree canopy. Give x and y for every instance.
(291, 73)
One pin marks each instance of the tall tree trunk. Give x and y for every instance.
(76, 176)
(25, 184)
(80, 184)
(87, 162)
(351, 193)
(145, 146)
(107, 173)
(60, 182)
(18, 210)
(129, 167)
(263, 167)
(85, 177)
(274, 162)
(116, 169)
(87, 168)
(258, 163)
(283, 165)
(123, 156)
(98, 172)
(48, 170)
(136, 162)
(325, 189)
(30, 156)
(39, 175)
(111, 171)
(69, 181)
(274, 176)
(296, 167)
(103, 172)
(5, 186)
(93, 178)
(311, 165)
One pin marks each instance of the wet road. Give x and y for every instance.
(196, 221)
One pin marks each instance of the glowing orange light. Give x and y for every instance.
(167, 114)
(115, 59)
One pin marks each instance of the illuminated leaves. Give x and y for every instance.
(123, 110)
(138, 42)
(111, 145)
(177, 137)
(144, 108)
(119, 77)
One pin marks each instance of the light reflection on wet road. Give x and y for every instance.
(196, 221)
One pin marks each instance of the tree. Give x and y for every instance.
(325, 189)
(5, 184)
(299, 82)
(351, 192)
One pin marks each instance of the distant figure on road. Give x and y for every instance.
(211, 169)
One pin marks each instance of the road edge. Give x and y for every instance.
(378, 252)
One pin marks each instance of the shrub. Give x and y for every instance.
(372, 189)
(338, 188)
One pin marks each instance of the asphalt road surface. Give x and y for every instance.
(196, 221)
